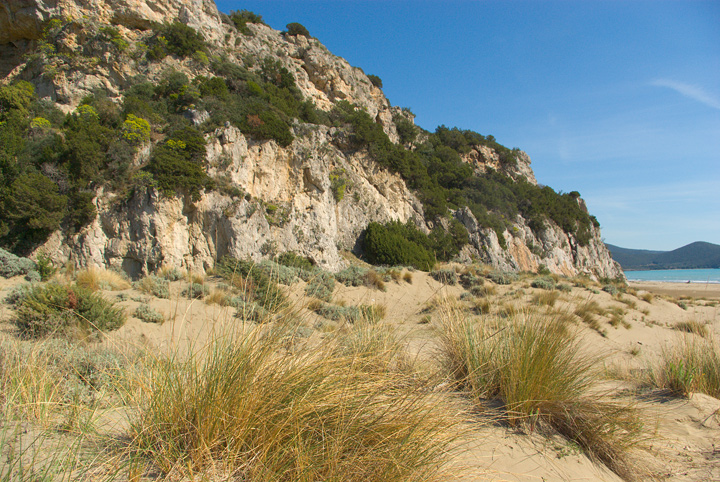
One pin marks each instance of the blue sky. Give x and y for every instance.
(619, 100)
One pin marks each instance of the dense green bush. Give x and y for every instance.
(396, 244)
(295, 28)
(61, 310)
(375, 80)
(176, 38)
(294, 260)
(243, 17)
(178, 163)
(406, 129)
(32, 209)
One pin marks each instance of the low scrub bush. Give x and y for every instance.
(155, 286)
(254, 283)
(352, 275)
(544, 282)
(564, 287)
(65, 310)
(349, 314)
(196, 291)
(12, 265)
(149, 314)
(285, 275)
(17, 293)
(446, 276)
(266, 413)
(502, 277)
(250, 310)
(320, 284)
(534, 366)
(612, 289)
(171, 273)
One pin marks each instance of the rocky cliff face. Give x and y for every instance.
(310, 197)
(527, 251)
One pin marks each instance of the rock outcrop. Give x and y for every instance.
(310, 197)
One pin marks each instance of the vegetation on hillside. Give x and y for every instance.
(51, 164)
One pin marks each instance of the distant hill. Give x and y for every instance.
(693, 256)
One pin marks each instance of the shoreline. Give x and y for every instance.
(693, 290)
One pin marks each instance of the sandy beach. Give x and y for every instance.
(679, 290)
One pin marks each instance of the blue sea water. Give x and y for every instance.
(676, 275)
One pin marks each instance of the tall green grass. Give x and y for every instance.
(256, 410)
(535, 367)
(690, 365)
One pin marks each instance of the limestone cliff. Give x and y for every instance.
(313, 196)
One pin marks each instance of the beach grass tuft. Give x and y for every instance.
(690, 365)
(534, 366)
(263, 413)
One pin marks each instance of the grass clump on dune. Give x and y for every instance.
(533, 365)
(692, 326)
(691, 365)
(248, 407)
(96, 279)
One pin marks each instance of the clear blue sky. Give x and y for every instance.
(619, 100)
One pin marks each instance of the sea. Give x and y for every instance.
(676, 275)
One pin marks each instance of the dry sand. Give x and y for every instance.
(684, 447)
(679, 290)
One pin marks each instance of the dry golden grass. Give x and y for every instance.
(314, 304)
(218, 297)
(101, 279)
(545, 298)
(647, 297)
(373, 279)
(534, 366)
(197, 278)
(332, 412)
(588, 312)
(408, 277)
(480, 306)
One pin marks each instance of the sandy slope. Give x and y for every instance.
(685, 446)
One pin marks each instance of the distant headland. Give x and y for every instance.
(695, 255)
